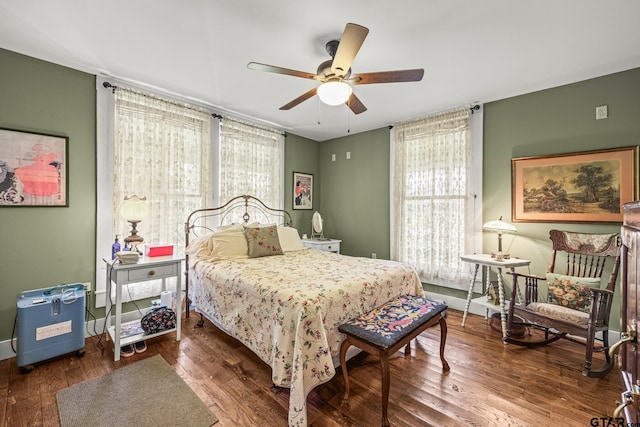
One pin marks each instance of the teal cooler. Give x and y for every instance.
(50, 323)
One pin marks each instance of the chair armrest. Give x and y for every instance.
(606, 293)
(601, 300)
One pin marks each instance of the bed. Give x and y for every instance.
(253, 279)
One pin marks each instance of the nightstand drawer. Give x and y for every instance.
(329, 245)
(149, 273)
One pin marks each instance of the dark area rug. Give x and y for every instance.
(146, 393)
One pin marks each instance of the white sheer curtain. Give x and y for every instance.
(251, 162)
(162, 150)
(432, 209)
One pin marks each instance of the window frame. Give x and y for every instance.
(473, 239)
(105, 103)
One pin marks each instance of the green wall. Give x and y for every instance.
(301, 155)
(355, 192)
(42, 247)
(558, 120)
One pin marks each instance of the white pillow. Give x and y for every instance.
(229, 244)
(229, 227)
(289, 239)
(200, 247)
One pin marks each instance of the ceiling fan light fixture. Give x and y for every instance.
(334, 93)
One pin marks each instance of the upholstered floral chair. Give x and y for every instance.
(576, 303)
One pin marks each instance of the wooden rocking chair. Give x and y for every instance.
(575, 307)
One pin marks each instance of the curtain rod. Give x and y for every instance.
(220, 117)
(113, 88)
(157, 96)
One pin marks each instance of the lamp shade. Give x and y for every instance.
(499, 226)
(334, 93)
(134, 208)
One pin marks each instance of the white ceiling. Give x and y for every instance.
(471, 50)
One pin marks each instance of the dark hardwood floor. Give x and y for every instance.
(490, 384)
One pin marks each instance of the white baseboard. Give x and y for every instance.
(92, 327)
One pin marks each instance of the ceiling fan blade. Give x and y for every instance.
(280, 70)
(350, 43)
(414, 75)
(299, 99)
(355, 104)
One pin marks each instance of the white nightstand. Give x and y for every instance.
(148, 268)
(326, 245)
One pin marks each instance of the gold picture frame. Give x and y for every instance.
(589, 186)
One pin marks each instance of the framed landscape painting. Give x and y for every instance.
(589, 186)
(34, 169)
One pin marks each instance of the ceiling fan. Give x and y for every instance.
(335, 73)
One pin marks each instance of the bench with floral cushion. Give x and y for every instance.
(385, 329)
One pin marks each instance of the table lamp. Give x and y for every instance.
(133, 210)
(500, 227)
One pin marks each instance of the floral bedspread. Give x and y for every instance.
(287, 308)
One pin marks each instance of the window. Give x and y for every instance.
(434, 196)
(251, 162)
(180, 159)
(162, 152)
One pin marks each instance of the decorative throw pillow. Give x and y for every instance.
(263, 241)
(570, 291)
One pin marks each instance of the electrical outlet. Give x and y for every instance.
(348, 155)
(87, 287)
(373, 255)
(333, 157)
(601, 112)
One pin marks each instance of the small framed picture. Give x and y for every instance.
(34, 169)
(302, 190)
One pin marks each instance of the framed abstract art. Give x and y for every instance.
(34, 169)
(302, 190)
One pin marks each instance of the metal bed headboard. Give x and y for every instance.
(243, 209)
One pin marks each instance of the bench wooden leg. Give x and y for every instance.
(354, 336)
(386, 376)
(343, 364)
(443, 340)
